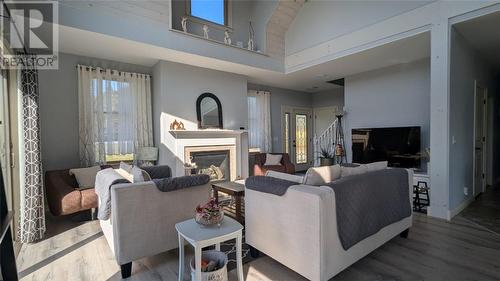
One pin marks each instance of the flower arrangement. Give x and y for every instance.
(210, 213)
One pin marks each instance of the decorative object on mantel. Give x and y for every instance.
(251, 37)
(177, 125)
(184, 24)
(205, 31)
(211, 213)
(227, 37)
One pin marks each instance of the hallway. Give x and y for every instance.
(485, 210)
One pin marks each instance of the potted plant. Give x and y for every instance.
(326, 157)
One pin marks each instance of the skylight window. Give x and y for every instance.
(210, 10)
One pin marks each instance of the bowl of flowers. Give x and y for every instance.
(210, 213)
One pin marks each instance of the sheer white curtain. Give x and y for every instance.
(259, 120)
(115, 113)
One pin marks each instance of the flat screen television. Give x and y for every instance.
(399, 146)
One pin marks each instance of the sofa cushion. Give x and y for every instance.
(85, 176)
(322, 175)
(353, 169)
(273, 159)
(376, 166)
(285, 176)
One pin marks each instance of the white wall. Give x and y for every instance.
(467, 65)
(333, 97)
(389, 97)
(282, 97)
(152, 27)
(59, 108)
(175, 90)
(319, 21)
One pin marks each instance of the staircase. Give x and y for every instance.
(325, 140)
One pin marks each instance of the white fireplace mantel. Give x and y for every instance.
(179, 141)
(207, 133)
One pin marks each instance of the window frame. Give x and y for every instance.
(227, 17)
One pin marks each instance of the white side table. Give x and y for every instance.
(201, 237)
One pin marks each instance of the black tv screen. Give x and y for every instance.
(399, 146)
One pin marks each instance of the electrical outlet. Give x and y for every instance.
(466, 190)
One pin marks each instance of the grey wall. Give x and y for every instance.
(319, 21)
(282, 97)
(467, 65)
(59, 108)
(175, 90)
(389, 97)
(333, 97)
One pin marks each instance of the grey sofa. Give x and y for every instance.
(142, 221)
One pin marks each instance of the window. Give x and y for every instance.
(259, 121)
(254, 143)
(116, 101)
(210, 10)
(114, 114)
(287, 132)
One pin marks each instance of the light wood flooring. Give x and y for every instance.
(435, 250)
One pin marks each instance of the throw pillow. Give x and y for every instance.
(126, 167)
(135, 174)
(85, 176)
(351, 171)
(376, 166)
(273, 159)
(322, 175)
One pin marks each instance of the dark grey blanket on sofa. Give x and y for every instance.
(171, 184)
(268, 184)
(367, 203)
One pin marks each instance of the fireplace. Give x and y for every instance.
(219, 162)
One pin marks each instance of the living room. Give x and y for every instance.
(259, 118)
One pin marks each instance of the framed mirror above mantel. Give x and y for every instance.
(209, 112)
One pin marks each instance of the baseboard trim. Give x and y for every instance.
(459, 208)
(437, 212)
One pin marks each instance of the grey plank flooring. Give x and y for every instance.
(435, 250)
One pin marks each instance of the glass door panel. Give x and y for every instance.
(297, 132)
(301, 137)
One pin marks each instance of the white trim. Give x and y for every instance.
(475, 14)
(459, 208)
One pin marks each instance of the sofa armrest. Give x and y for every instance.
(292, 228)
(143, 218)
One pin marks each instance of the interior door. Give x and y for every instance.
(480, 95)
(301, 137)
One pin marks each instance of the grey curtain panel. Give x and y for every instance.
(32, 214)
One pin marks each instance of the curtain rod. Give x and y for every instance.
(111, 70)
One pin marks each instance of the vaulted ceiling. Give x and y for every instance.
(278, 24)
